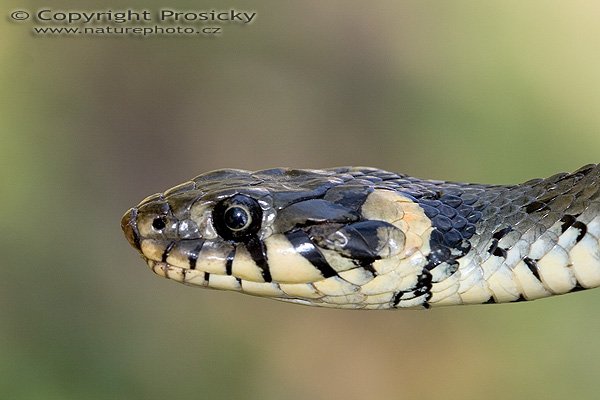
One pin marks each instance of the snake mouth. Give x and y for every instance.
(179, 274)
(176, 260)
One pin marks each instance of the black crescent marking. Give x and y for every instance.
(165, 253)
(499, 252)
(258, 252)
(567, 220)
(229, 262)
(582, 230)
(501, 233)
(532, 264)
(397, 298)
(305, 247)
(193, 256)
(493, 246)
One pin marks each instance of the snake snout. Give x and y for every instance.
(129, 226)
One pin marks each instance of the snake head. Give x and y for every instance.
(313, 237)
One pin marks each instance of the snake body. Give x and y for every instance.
(364, 238)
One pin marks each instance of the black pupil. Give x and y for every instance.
(159, 223)
(236, 218)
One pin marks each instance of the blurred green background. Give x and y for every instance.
(495, 92)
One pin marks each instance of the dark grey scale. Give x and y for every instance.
(548, 220)
(442, 222)
(371, 178)
(430, 212)
(222, 175)
(490, 212)
(536, 206)
(349, 196)
(474, 216)
(416, 191)
(454, 239)
(382, 174)
(362, 242)
(508, 209)
(313, 211)
(452, 201)
(157, 197)
(157, 205)
(282, 199)
(228, 184)
(181, 189)
(284, 173)
(379, 173)
(468, 199)
(578, 207)
(402, 182)
(258, 253)
(589, 192)
(306, 248)
(385, 175)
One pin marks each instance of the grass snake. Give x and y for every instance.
(364, 238)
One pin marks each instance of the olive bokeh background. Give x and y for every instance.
(495, 92)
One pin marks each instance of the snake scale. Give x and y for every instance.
(364, 238)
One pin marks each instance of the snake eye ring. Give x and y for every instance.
(237, 218)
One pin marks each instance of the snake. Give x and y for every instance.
(366, 238)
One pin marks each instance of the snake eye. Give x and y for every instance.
(159, 223)
(237, 218)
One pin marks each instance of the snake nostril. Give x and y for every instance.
(129, 226)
